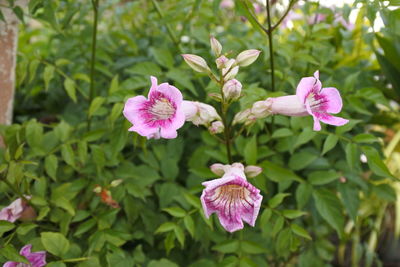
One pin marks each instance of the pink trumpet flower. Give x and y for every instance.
(158, 116)
(36, 259)
(311, 99)
(232, 198)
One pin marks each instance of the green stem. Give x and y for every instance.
(95, 4)
(227, 126)
(271, 48)
(169, 30)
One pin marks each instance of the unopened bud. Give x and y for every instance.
(231, 74)
(261, 109)
(216, 47)
(228, 67)
(199, 113)
(116, 183)
(215, 96)
(242, 116)
(97, 189)
(28, 214)
(343, 179)
(252, 171)
(218, 169)
(221, 62)
(247, 57)
(196, 63)
(232, 89)
(216, 127)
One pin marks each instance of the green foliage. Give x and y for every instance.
(62, 145)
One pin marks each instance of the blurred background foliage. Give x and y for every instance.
(330, 197)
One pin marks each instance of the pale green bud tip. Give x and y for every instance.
(216, 47)
(116, 183)
(247, 57)
(218, 169)
(97, 189)
(252, 171)
(196, 63)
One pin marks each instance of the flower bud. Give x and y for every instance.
(216, 127)
(215, 96)
(232, 89)
(252, 171)
(199, 113)
(196, 63)
(116, 183)
(97, 189)
(28, 214)
(247, 57)
(242, 116)
(261, 109)
(228, 66)
(216, 47)
(231, 74)
(218, 169)
(221, 62)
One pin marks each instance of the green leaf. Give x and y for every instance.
(51, 165)
(114, 86)
(277, 199)
(69, 86)
(278, 225)
(330, 142)
(163, 57)
(279, 174)
(5, 226)
(19, 13)
(329, 207)
(306, 135)
(25, 228)
(252, 247)
(189, 224)
(282, 132)
(95, 105)
(176, 212)
(68, 154)
(55, 243)
(250, 151)
(229, 246)
(365, 138)
(180, 235)
(350, 199)
(34, 133)
(165, 227)
(322, 177)
(303, 193)
(352, 155)
(283, 241)
(375, 162)
(11, 254)
(292, 214)
(300, 231)
(301, 160)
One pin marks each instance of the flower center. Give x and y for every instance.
(162, 109)
(315, 100)
(230, 197)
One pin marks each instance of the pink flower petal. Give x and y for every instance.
(154, 84)
(168, 133)
(333, 120)
(305, 86)
(26, 250)
(131, 109)
(171, 92)
(334, 104)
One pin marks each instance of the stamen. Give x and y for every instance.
(162, 109)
